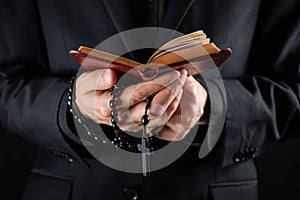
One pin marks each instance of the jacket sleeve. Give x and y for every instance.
(31, 96)
(263, 107)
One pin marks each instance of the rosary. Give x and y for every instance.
(120, 137)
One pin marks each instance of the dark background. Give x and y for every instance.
(278, 169)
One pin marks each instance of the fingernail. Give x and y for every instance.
(107, 76)
(107, 72)
(183, 72)
(175, 73)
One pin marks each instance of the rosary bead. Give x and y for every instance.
(112, 104)
(115, 127)
(115, 93)
(114, 113)
(149, 99)
(117, 132)
(114, 121)
(145, 120)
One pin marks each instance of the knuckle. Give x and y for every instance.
(123, 127)
(174, 105)
(79, 87)
(174, 125)
(201, 112)
(105, 112)
(156, 110)
(139, 95)
(179, 137)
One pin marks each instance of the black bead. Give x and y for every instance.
(115, 127)
(149, 99)
(148, 102)
(145, 120)
(117, 132)
(115, 93)
(114, 113)
(113, 121)
(112, 104)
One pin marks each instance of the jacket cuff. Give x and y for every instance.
(217, 106)
(66, 121)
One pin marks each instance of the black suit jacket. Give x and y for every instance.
(261, 80)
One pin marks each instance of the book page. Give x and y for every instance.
(185, 54)
(177, 48)
(192, 39)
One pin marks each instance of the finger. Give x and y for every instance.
(167, 134)
(131, 119)
(153, 131)
(163, 99)
(160, 103)
(161, 122)
(136, 112)
(174, 106)
(139, 92)
(90, 81)
(101, 107)
(170, 134)
(177, 127)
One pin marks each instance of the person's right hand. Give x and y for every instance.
(92, 94)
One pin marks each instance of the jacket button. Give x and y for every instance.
(253, 151)
(248, 153)
(130, 194)
(64, 155)
(239, 157)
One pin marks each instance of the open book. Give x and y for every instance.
(193, 52)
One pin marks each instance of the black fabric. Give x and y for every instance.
(241, 190)
(48, 187)
(261, 80)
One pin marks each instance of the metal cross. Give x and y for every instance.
(145, 153)
(142, 147)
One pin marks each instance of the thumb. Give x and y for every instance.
(101, 79)
(105, 79)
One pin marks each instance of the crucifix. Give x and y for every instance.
(145, 152)
(145, 139)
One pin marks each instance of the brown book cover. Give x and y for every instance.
(193, 52)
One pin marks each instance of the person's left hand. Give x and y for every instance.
(174, 110)
(188, 113)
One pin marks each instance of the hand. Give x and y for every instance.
(92, 94)
(187, 114)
